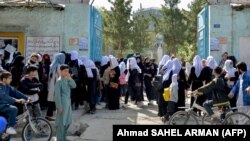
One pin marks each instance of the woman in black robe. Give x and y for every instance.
(114, 91)
(92, 76)
(205, 77)
(166, 82)
(182, 83)
(134, 82)
(194, 77)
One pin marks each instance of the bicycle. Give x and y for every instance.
(34, 128)
(190, 117)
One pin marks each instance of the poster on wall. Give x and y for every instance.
(42, 45)
(83, 43)
(8, 45)
(214, 44)
(9, 48)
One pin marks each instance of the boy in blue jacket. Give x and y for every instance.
(8, 97)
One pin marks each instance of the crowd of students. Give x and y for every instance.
(110, 79)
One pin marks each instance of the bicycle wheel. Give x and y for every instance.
(183, 118)
(237, 118)
(43, 128)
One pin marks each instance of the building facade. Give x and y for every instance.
(50, 27)
(224, 27)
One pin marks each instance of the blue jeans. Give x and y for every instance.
(208, 106)
(10, 112)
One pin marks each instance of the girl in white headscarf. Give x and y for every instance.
(114, 92)
(89, 65)
(230, 73)
(74, 64)
(177, 69)
(92, 83)
(172, 104)
(194, 79)
(163, 61)
(167, 70)
(167, 75)
(54, 74)
(134, 83)
(197, 65)
(230, 76)
(176, 66)
(104, 73)
(206, 72)
(211, 62)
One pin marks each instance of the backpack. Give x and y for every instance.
(166, 94)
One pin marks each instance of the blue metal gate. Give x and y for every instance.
(202, 28)
(95, 35)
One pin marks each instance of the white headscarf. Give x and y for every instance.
(230, 70)
(110, 56)
(176, 66)
(122, 67)
(105, 60)
(211, 62)
(188, 68)
(133, 64)
(113, 62)
(197, 65)
(167, 68)
(174, 78)
(164, 60)
(73, 55)
(89, 65)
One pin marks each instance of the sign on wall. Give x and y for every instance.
(42, 45)
(218, 43)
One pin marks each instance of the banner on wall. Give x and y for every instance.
(42, 45)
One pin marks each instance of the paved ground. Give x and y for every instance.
(98, 127)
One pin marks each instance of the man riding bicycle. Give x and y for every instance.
(8, 97)
(216, 88)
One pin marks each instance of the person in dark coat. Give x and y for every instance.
(74, 70)
(206, 77)
(140, 64)
(114, 91)
(45, 78)
(148, 77)
(16, 69)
